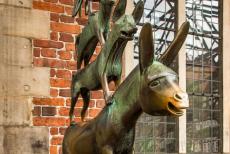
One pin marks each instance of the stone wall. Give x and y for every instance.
(37, 59)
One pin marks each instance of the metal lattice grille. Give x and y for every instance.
(203, 77)
(157, 134)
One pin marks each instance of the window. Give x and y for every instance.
(203, 64)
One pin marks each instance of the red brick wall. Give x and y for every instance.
(58, 54)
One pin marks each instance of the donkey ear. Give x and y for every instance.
(146, 47)
(173, 49)
(138, 11)
(119, 10)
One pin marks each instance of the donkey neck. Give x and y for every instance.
(127, 99)
(104, 13)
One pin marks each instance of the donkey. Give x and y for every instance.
(107, 67)
(151, 88)
(96, 30)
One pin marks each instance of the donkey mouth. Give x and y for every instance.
(174, 110)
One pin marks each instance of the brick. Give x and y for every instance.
(14, 22)
(65, 55)
(57, 140)
(70, 47)
(53, 149)
(82, 21)
(67, 2)
(53, 63)
(51, 53)
(68, 10)
(49, 111)
(66, 74)
(95, 6)
(94, 112)
(97, 95)
(71, 65)
(61, 27)
(25, 140)
(66, 19)
(54, 17)
(54, 36)
(48, 7)
(64, 92)
(62, 130)
(68, 102)
(60, 149)
(15, 110)
(36, 52)
(52, 72)
(37, 62)
(18, 3)
(100, 103)
(66, 37)
(51, 1)
(61, 83)
(49, 121)
(25, 81)
(64, 111)
(53, 92)
(37, 111)
(48, 44)
(53, 130)
(49, 101)
(15, 51)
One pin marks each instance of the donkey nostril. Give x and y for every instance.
(177, 96)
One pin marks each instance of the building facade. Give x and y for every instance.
(37, 58)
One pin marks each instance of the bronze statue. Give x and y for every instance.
(151, 87)
(96, 29)
(107, 67)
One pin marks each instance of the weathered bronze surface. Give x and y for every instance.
(96, 30)
(151, 87)
(107, 67)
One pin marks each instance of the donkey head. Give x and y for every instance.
(160, 93)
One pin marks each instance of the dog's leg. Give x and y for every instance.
(88, 7)
(74, 99)
(75, 91)
(100, 37)
(85, 93)
(105, 87)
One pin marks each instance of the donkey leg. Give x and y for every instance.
(85, 93)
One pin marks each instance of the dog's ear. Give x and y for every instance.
(146, 47)
(138, 11)
(77, 8)
(119, 10)
(173, 49)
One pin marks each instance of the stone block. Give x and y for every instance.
(15, 111)
(15, 51)
(24, 81)
(18, 3)
(24, 140)
(23, 22)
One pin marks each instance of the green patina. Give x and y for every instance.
(151, 87)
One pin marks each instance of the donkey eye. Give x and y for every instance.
(154, 83)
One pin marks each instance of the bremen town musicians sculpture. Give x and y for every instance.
(151, 87)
